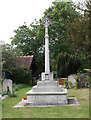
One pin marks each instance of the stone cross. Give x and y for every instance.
(46, 22)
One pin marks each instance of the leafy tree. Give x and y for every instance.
(9, 57)
(67, 64)
(87, 15)
(31, 39)
(60, 14)
(21, 75)
(80, 34)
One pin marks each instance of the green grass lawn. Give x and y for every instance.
(0, 109)
(81, 111)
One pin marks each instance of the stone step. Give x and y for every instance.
(46, 89)
(46, 98)
(49, 83)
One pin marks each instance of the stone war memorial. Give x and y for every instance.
(47, 91)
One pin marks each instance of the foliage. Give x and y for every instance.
(20, 75)
(17, 87)
(9, 54)
(80, 73)
(76, 83)
(68, 84)
(67, 64)
(88, 79)
(31, 39)
(79, 33)
(60, 14)
(67, 34)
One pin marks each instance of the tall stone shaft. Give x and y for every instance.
(47, 60)
(46, 22)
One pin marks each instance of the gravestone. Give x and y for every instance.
(82, 82)
(72, 79)
(7, 83)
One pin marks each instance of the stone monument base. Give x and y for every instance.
(47, 92)
(46, 98)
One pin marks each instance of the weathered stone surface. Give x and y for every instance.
(72, 101)
(7, 83)
(45, 98)
(71, 78)
(46, 86)
(47, 83)
(45, 76)
(46, 89)
(47, 92)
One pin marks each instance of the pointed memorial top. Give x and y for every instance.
(46, 22)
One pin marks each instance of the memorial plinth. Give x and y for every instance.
(47, 91)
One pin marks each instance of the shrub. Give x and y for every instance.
(67, 64)
(68, 84)
(76, 83)
(17, 87)
(88, 79)
(20, 75)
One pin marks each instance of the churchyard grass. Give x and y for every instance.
(81, 111)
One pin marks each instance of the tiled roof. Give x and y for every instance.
(24, 61)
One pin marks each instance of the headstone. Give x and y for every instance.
(82, 83)
(72, 79)
(6, 84)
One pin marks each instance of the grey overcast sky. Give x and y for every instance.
(14, 13)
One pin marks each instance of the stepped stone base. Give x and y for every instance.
(46, 98)
(47, 92)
